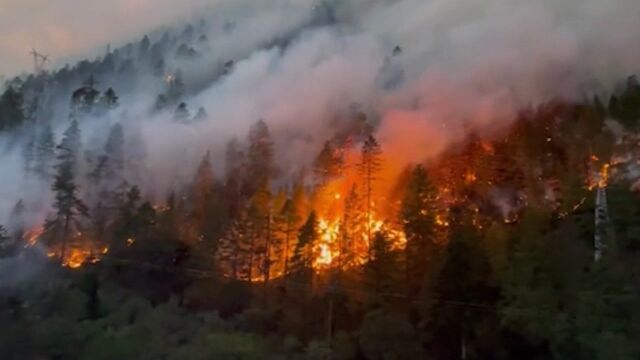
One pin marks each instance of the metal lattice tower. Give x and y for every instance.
(39, 61)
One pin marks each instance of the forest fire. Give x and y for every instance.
(79, 253)
(31, 236)
(76, 258)
(326, 250)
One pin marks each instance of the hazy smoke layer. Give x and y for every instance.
(425, 71)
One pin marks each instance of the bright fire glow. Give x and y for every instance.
(77, 258)
(326, 249)
(31, 236)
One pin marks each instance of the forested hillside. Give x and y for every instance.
(188, 197)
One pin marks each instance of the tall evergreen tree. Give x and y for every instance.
(261, 232)
(109, 99)
(44, 154)
(303, 255)
(67, 203)
(208, 216)
(418, 214)
(288, 222)
(7, 244)
(352, 231)
(381, 269)
(465, 278)
(232, 255)
(328, 164)
(11, 109)
(109, 169)
(235, 168)
(369, 166)
(260, 159)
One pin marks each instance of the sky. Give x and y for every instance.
(66, 29)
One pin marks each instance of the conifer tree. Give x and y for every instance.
(418, 214)
(44, 154)
(232, 255)
(328, 164)
(352, 231)
(288, 224)
(381, 269)
(369, 166)
(303, 255)
(110, 99)
(235, 168)
(68, 204)
(260, 159)
(7, 244)
(11, 109)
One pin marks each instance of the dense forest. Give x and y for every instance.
(518, 241)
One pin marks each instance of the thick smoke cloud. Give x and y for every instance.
(70, 29)
(459, 65)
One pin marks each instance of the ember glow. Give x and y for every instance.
(327, 248)
(31, 236)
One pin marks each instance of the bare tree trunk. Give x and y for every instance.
(601, 219)
(286, 248)
(65, 232)
(267, 261)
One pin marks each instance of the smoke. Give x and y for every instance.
(71, 29)
(426, 72)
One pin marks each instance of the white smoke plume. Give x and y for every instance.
(425, 71)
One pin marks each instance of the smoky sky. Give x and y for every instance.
(68, 29)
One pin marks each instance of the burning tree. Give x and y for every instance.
(68, 204)
(287, 224)
(303, 255)
(369, 167)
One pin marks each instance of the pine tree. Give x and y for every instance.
(369, 166)
(208, 213)
(182, 113)
(381, 269)
(109, 99)
(84, 99)
(109, 170)
(144, 45)
(465, 277)
(201, 114)
(260, 159)
(261, 233)
(353, 229)
(109, 187)
(174, 92)
(418, 214)
(67, 203)
(28, 153)
(11, 109)
(328, 164)
(132, 220)
(7, 244)
(303, 255)
(232, 255)
(17, 221)
(44, 154)
(288, 222)
(234, 175)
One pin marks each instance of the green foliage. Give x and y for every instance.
(11, 109)
(626, 105)
(388, 336)
(417, 214)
